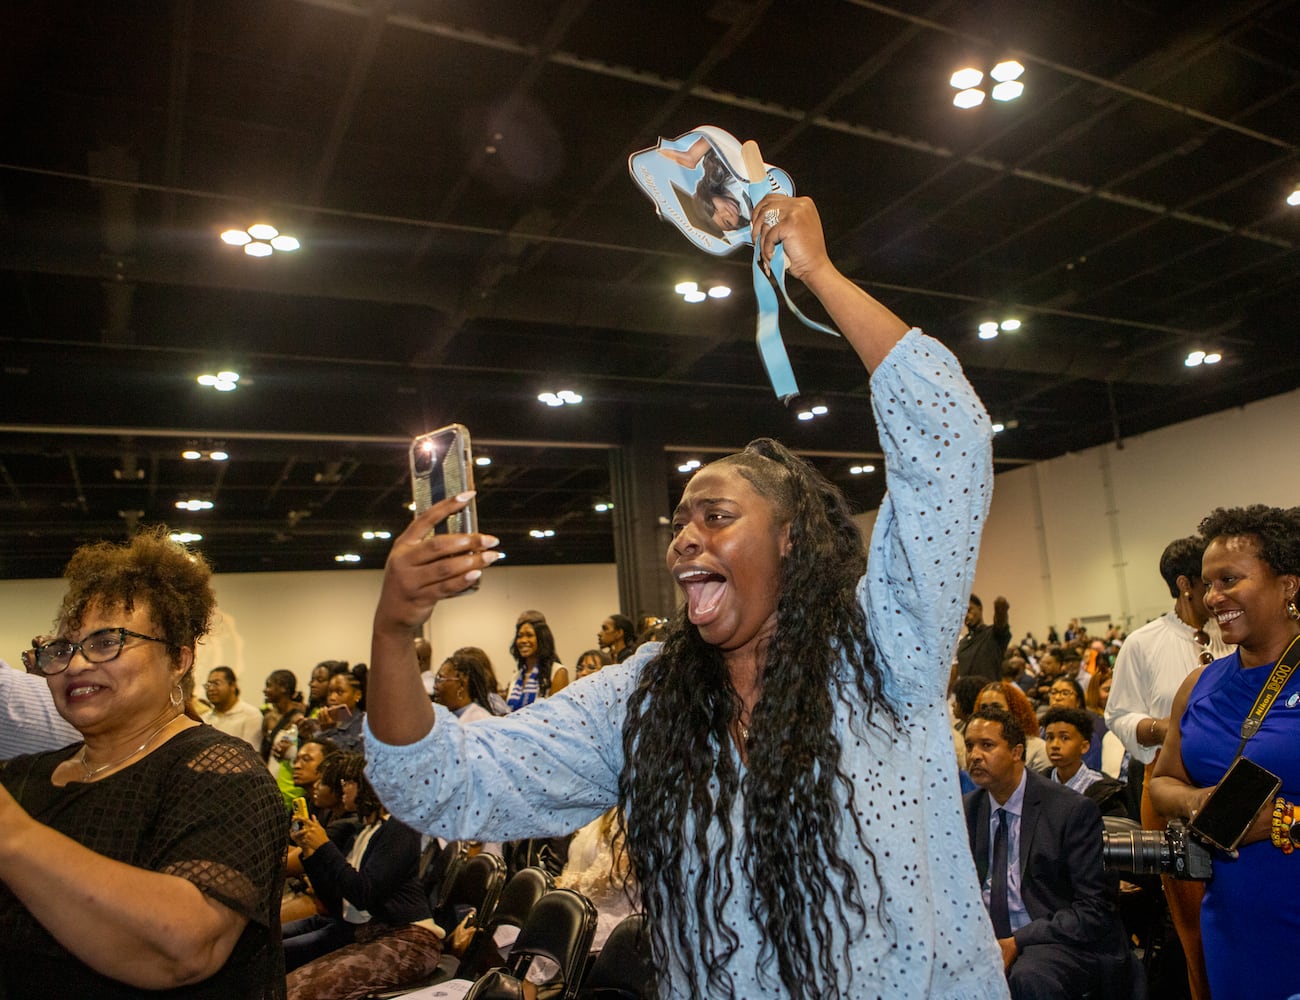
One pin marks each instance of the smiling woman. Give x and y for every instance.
(146, 857)
(773, 756)
(1251, 569)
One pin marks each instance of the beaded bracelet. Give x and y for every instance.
(1286, 825)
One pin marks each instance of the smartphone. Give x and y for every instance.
(341, 715)
(300, 808)
(1233, 805)
(441, 467)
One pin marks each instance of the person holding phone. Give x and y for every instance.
(342, 717)
(1249, 923)
(775, 754)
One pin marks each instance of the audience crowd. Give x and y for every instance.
(356, 907)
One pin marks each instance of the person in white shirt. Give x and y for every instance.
(459, 686)
(29, 722)
(1151, 666)
(229, 714)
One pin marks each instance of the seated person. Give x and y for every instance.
(1066, 692)
(1037, 850)
(484, 664)
(341, 719)
(1009, 698)
(298, 901)
(591, 661)
(145, 856)
(458, 686)
(1067, 732)
(379, 933)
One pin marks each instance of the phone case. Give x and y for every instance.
(441, 467)
(1233, 805)
(300, 808)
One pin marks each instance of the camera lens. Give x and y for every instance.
(1143, 852)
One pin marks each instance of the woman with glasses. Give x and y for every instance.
(146, 856)
(458, 687)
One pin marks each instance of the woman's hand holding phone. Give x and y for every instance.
(424, 568)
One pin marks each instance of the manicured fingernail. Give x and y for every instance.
(467, 496)
(490, 541)
(473, 575)
(491, 557)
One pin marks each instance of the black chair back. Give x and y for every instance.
(521, 892)
(560, 928)
(475, 885)
(624, 969)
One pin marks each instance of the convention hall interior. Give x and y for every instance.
(1100, 219)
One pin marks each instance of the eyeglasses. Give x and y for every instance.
(98, 647)
(439, 678)
(1203, 640)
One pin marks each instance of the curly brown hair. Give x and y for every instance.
(174, 582)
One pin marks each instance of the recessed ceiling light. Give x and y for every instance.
(371, 536)
(998, 428)
(541, 533)
(988, 330)
(1007, 91)
(966, 78)
(969, 99)
(263, 231)
(1294, 197)
(561, 398)
(258, 249)
(185, 537)
(1194, 358)
(804, 415)
(861, 470)
(218, 456)
(285, 244)
(719, 292)
(1213, 358)
(1009, 325)
(1003, 72)
(194, 504)
(603, 507)
(190, 455)
(682, 287)
(236, 237)
(695, 296)
(482, 460)
(347, 557)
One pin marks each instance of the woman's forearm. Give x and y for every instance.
(147, 929)
(398, 710)
(1174, 798)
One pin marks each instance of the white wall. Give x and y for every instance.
(1081, 535)
(270, 621)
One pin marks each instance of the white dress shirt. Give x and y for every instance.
(29, 722)
(1151, 666)
(243, 720)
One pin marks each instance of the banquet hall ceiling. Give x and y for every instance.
(456, 171)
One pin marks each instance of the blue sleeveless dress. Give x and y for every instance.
(1250, 919)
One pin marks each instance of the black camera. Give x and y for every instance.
(1171, 851)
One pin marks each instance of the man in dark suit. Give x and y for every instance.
(1053, 906)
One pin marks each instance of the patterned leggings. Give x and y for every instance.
(380, 958)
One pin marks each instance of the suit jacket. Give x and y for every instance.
(1070, 898)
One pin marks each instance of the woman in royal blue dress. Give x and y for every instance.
(1249, 922)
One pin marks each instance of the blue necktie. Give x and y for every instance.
(998, 884)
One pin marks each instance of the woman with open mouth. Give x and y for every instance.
(777, 756)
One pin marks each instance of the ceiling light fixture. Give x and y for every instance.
(1008, 85)
(812, 411)
(861, 470)
(691, 291)
(989, 329)
(719, 291)
(195, 455)
(347, 557)
(1294, 197)
(221, 381)
(1197, 358)
(190, 455)
(541, 533)
(194, 504)
(261, 240)
(690, 466)
(603, 507)
(185, 537)
(371, 536)
(561, 398)
(482, 460)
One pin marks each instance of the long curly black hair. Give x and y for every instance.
(679, 777)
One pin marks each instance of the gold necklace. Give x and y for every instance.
(92, 771)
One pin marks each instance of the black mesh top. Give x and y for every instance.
(202, 807)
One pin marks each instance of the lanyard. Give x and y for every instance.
(1277, 680)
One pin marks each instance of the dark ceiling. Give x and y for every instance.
(457, 173)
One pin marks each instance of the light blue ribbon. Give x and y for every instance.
(771, 347)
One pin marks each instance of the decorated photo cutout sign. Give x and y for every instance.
(699, 183)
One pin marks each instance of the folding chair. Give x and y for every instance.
(624, 969)
(560, 929)
(520, 894)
